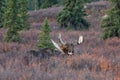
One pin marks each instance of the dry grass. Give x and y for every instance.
(95, 59)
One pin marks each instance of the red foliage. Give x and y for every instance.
(94, 59)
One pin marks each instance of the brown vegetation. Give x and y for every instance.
(94, 59)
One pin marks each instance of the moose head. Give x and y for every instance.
(64, 47)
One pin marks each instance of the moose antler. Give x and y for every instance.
(80, 40)
(64, 47)
(57, 46)
(60, 39)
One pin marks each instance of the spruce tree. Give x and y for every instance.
(111, 24)
(31, 5)
(23, 15)
(39, 3)
(11, 21)
(15, 19)
(12, 35)
(46, 3)
(2, 11)
(61, 2)
(72, 15)
(44, 37)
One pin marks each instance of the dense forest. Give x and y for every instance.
(38, 4)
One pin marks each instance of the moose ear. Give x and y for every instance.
(80, 40)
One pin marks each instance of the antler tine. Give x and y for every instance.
(60, 39)
(57, 46)
(80, 40)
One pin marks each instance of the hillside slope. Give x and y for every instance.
(94, 59)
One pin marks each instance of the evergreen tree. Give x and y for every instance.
(12, 35)
(15, 19)
(61, 2)
(23, 15)
(47, 3)
(2, 11)
(33, 4)
(11, 21)
(39, 3)
(73, 15)
(111, 24)
(44, 37)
